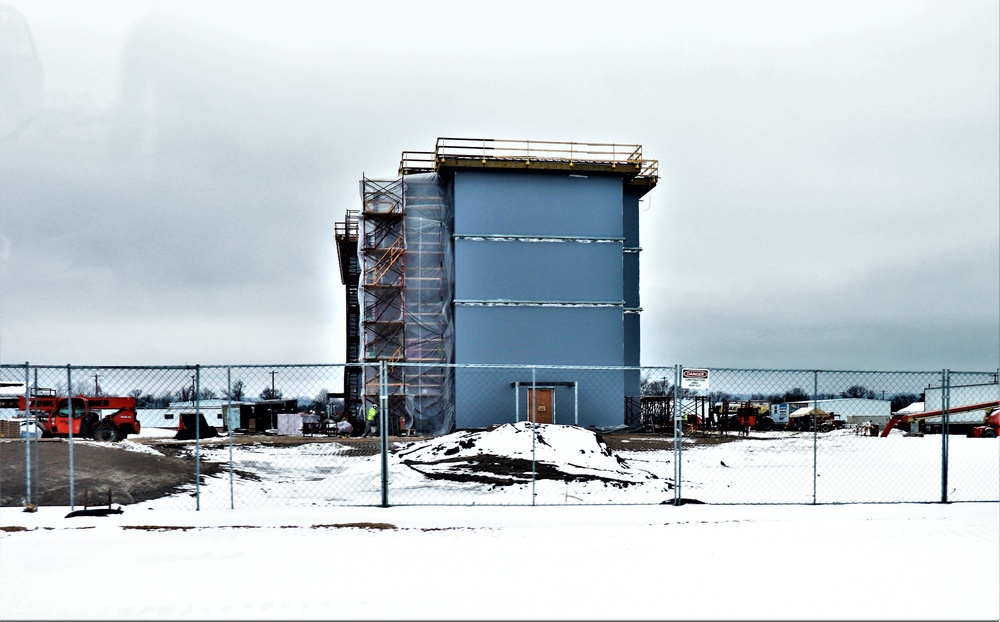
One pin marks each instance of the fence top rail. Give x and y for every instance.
(989, 373)
(102, 367)
(518, 366)
(832, 371)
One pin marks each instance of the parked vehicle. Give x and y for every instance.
(53, 416)
(990, 427)
(807, 419)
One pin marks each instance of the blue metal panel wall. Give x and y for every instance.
(487, 396)
(540, 205)
(537, 204)
(538, 271)
(538, 335)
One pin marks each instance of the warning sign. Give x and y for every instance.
(695, 379)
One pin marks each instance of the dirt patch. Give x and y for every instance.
(629, 441)
(356, 525)
(503, 471)
(130, 476)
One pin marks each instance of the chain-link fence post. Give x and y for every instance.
(533, 425)
(38, 433)
(27, 437)
(229, 427)
(945, 406)
(383, 433)
(69, 406)
(677, 435)
(197, 438)
(815, 430)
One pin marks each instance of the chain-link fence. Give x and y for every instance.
(295, 435)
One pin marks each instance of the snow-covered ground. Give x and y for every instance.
(494, 468)
(904, 561)
(306, 540)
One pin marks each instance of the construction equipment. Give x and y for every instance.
(898, 420)
(990, 427)
(808, 419)
(53, 416)
(738, 415)
(192, 426)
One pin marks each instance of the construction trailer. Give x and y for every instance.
(487, 252)
(256, 417)
(961, 419)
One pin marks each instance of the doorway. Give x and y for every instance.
(541, 405)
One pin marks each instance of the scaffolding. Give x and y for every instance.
(404, 246)
(382, 284)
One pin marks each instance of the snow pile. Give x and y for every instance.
(128, 445)
(511, 453)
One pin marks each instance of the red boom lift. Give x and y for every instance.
(898, 419)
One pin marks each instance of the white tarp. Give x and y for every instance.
(806, 411)
(915, 407)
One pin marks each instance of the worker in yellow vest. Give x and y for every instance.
(370, 423)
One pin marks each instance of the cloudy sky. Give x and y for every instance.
(171, 172)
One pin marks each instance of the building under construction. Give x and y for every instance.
(496, 252)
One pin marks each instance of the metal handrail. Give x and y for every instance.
(416, 161)
(489, 148)
(528, 151)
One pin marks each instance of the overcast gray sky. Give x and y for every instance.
(830, 171)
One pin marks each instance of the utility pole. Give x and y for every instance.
(273, 394)
(97, 387)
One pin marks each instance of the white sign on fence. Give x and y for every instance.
(696, 379)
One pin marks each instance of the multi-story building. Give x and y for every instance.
(516, 253)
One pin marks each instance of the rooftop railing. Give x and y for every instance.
(528, 151)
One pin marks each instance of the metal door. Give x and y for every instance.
(541, 405)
